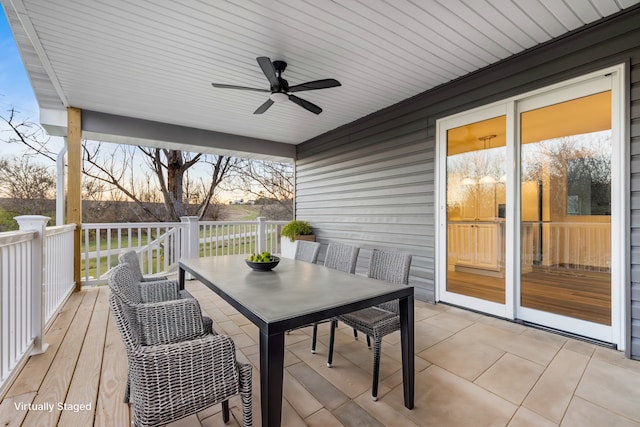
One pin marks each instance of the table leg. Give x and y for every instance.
(271, 371)
(408, 357)
(181, 278)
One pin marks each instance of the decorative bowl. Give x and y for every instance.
(263, 266)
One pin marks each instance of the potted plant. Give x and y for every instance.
(293, 231)
(298, 230)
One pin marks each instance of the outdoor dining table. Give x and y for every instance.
(293, 294)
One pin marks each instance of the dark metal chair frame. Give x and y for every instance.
(380, 320)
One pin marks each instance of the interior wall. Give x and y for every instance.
(371, 182)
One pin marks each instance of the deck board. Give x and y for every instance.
(39, 365)
(10, 415)
(55, 385)
(83, 389)
(110, 408)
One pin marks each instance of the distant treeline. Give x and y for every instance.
(92, 211)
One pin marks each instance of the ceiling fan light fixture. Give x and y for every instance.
(280, 91)
(279, 97)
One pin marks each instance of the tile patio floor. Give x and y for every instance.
(471, 370)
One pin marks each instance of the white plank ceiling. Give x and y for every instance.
(156, 59)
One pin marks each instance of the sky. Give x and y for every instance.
(15, 90)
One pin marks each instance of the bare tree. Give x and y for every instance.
(121, 172)
(26, 133)
(169, 169)
(271, 183)
(22, 179)
(170, 166)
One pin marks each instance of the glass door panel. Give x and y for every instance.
(565, 193)
(476, 200)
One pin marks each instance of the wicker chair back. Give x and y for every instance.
(341, 257)
(131, 259)
(390, 266)
(307, 251)
(122, 282)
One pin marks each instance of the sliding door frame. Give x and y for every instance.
(620, 203)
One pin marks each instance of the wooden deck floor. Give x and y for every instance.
(471, 370)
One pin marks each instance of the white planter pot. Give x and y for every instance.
(288, 248)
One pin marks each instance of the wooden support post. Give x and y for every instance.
(74, 186)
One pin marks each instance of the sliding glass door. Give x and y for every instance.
(528, 208)
(566, 209)
(475, 211)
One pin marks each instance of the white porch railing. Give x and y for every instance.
(36, 267)
(161, 245)
(36, 277)
(239, 237)
(58, 271)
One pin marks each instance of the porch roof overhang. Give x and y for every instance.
(141, 72)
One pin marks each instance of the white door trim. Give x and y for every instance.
(616, 333)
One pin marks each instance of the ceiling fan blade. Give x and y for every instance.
(269, 71)
(223, 86)
(316, 84)
(264, 107)
(305, 104)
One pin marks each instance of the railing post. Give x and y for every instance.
(38, 224)
(192, 246)
(262, 234)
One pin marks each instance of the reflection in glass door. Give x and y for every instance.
(532, 211)
(476, 200)
(565, 233)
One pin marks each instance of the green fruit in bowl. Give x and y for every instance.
(263, 257)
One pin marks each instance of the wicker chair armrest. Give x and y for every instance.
(157, 291)
(154, 278)
(182, 378)
(207, 324)
(169, 321)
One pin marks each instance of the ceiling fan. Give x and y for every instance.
(280, 89)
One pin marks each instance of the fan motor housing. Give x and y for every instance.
(280, 66)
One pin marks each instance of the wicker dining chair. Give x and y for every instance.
(382, 319)
(122, 281)
(133, 260)
(307, 251)
(343, 258)
(176, 367)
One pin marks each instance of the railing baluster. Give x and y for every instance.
(14, 276)
(4, 314)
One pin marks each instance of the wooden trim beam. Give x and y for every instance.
(74, 186)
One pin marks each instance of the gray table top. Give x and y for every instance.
(291, 289)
